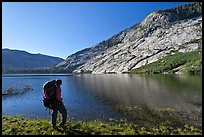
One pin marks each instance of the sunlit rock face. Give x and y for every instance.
(160, 33)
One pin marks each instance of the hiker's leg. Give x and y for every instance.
(63, 111)
(54, 117)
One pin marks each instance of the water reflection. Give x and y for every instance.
(178, 91)
(92, 96)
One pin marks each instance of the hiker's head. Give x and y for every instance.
(59, 82)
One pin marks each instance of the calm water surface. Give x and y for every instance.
(89, 97)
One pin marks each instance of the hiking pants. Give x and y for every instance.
(61, 108)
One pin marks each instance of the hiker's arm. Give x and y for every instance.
(58, 95)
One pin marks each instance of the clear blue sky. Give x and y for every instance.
(62, 28)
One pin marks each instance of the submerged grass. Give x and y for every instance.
(148, 116)
(142, 124)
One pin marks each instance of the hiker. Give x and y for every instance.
(59, 106)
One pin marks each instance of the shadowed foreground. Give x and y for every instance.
(18, 125)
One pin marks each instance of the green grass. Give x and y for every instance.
(187, 63)
(17, 125)
(144, 122)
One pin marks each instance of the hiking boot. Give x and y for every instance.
(54, 126)
(62, 125)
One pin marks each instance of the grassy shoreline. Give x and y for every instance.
(145, 122)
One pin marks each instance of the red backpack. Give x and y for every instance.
(49, 94)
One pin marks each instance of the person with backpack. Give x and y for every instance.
(53, 100)
(59, 106)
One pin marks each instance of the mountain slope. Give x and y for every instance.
(177, 63)
(159, 34)
(14, 59)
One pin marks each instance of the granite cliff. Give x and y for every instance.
(160, 33)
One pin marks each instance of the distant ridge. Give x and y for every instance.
(15, 59)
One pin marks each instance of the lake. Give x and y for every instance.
(89, 96)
